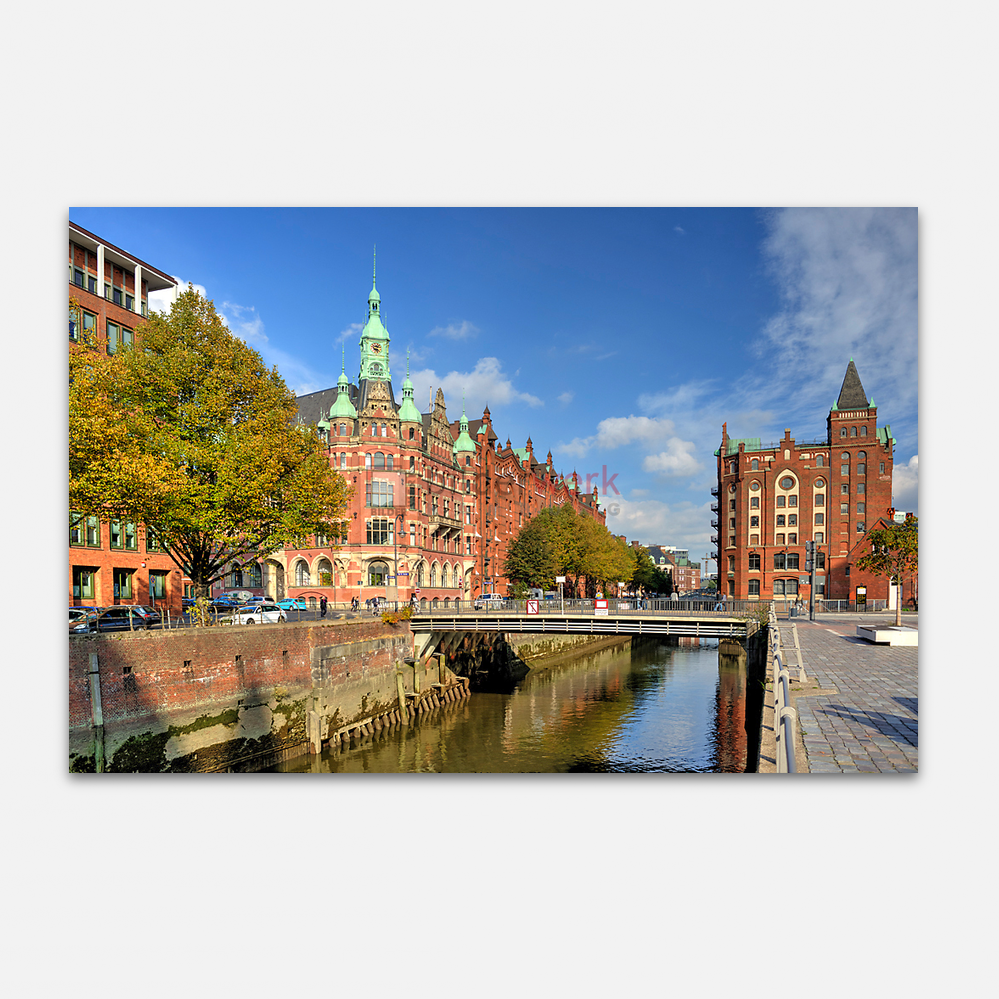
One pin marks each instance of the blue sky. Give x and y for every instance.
(620, 339)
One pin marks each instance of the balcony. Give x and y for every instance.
(714, 507)
(438, 522)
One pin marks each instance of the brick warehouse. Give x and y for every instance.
(771, 499)
(114, 562)
(436, 502)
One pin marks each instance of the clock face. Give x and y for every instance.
(376, 348)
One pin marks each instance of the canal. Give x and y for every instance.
(659, 706)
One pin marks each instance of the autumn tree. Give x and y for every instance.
(190, 433)
(894, 551)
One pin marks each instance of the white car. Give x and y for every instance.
(489, 601)
(263, 613)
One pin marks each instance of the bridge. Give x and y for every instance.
(437, 626)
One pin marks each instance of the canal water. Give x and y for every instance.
(656, 707)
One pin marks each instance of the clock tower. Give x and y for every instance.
(374, 342)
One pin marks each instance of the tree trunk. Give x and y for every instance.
(898, 603)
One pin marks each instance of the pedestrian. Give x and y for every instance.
(322, 606)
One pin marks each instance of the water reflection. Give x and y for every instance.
(655, 708)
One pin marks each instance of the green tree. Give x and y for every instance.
(648, 576)
(190, 433)
(894, 551)
(529, 560)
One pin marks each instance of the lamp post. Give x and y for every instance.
(397, 520)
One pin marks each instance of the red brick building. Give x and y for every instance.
(113, 562)
(436, 502)
(771, 499)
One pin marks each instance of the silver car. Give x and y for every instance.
(262, 613)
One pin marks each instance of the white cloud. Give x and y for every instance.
(677, 459)
(682, 232)
(349, 334)
(160, 301)
(848, 284)
(566, 397)
(905, 486)
(485, 385)
(616, 431)
(653, 522)
(456, 331)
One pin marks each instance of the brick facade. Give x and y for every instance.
(113, 562)
(771, 499)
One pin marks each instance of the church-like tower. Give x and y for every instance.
(374, 345)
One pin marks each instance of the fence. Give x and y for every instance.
(785, 716)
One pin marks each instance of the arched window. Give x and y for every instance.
(325, 572)
(367, 461)
(343, 460)
(444, 575)
(820, 461)
(863, 431)
(384, 431)
(853, 431)
(433, 575)
(379, 461)
(343, 429)
(389, 461)
(419, 574)
(377, 573)
(755, 466)
(301, 573)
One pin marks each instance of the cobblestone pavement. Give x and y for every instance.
(858, 709)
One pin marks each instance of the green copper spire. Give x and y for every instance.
(464, 443)
(408, 413)
(374, 340)
(343, 408)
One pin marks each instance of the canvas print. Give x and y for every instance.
(493, 490)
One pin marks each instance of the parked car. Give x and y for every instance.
(489, 601)
(118, 619)
(81, 616)
(186, 603)
(265, 613)
(225, 602)
(293, 603)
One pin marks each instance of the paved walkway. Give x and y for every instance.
(858, 709)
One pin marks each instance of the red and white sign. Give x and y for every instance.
(600, 608)
(532, 606)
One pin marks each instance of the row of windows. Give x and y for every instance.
(83, 329)
(113, 292)
(85, 532)
(123, 580)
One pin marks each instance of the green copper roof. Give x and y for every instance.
(343, 408)
(408, 411)
(464, 442)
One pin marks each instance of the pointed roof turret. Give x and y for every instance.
(408, 411)
(852, 394)
(343, 408)
(464, 442)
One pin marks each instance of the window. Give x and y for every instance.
(433, 574)
(780, 520)
(779, 539)
(731, 504)
(343, 461)
(157, 584)
(123, 534)
(122, 584)
(785, 560)
(378, 574)
(792, 520)
(792, 501)
(819, 518)
(754, 502)
(754, 539)
(860, 508)
(792, 539)
(861, 469)
(731, 523)
(343, 429)
(755, 465)
(860, 487)
(754, 486)
(844, 470)
(412, 463)
(819, 499)
(379, 461)
(781, 501)
(787, 482)
(731, 563)
(389, 462)
(412, 534)
(844, 509)
(412, 433)
(881, 468)
(842, 431)
(384, 431)
(754, 587)
(845, 487)
(754, 561)
(367, 461)
(819, 461)
(378, 493)
(853, 431)
(821, 559)
(412, 497)
(113, 331)
(301, 573)
(845, 456)
(860, 528)
(863, 431)
(754, 521)
(83, 583)
(379, 531)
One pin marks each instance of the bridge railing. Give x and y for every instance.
(785, 716)
(636, 607)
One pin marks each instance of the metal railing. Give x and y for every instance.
(785, 716)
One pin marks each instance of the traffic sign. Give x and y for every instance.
(532, 606)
